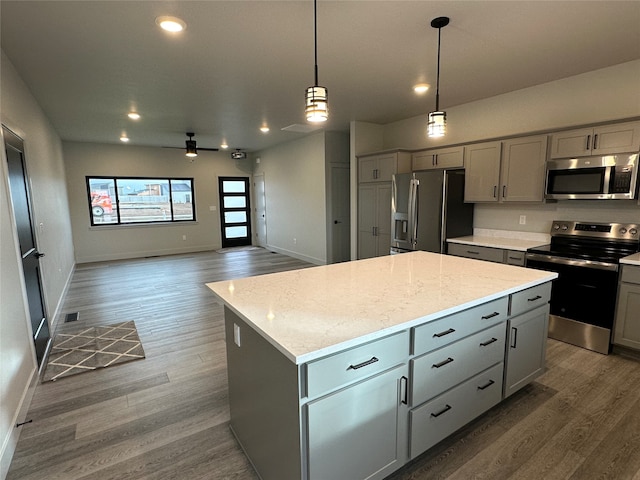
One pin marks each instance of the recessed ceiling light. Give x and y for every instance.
(171, 24)
(421, 88)
(264, 129)
(224, 146)
(133, 115)
(124, 138)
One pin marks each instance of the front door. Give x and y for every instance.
(20, 200)
(235, 211)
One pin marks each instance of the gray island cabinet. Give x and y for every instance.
(349, 371)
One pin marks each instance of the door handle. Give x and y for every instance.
(38, 254)
(335, 222)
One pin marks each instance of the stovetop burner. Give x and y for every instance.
(601, 242)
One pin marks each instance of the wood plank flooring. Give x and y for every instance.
(166, 417)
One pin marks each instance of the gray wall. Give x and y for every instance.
(43, 151)
(108, 243)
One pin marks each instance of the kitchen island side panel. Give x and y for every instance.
(263, 402)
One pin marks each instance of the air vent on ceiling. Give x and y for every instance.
(300, 128)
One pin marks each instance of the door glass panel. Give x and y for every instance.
(235, 202)
(235, 217)
(233, 186)
(235, 232)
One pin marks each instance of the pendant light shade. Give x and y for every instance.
(437, 125)
(316, 97)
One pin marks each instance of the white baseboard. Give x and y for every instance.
(299, 256)
(152, 253)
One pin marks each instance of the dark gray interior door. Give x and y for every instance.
(18, 185)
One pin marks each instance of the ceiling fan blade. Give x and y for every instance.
(180, 148)
(209, 149)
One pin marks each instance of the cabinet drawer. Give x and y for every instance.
(481, 253)
(514, 257)
(630, 274)
(439, 333)
(530, 298)
(357, 363)
(438, 371)
(445, 414)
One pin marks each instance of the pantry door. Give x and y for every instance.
(235, 211)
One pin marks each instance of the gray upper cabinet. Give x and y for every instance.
(522, 169)
(452, 157)
(508, 171)
(380, 167)
(602, 140)
(482, 167)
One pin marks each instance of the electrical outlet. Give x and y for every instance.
(523, 219)
(295, 241)
(184, 237)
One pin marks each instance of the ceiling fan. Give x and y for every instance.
(192, 148)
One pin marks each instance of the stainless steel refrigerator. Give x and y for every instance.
(427, 208)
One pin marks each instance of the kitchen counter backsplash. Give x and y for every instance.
(506, 239)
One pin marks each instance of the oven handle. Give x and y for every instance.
(611, 267)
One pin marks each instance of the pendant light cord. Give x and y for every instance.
(315, 39)
(438, 75)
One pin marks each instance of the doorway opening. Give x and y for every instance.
(235, 211)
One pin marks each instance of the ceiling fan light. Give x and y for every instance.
(437, 125)
(171, 24)
(317, 106)
(191, 149)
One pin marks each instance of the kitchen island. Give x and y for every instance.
(350, 370)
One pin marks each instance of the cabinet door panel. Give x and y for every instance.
(383, 209)
(526, 341)
(366, 169)
(482, 172)
(627, 328)
(359, 432)
(571, 143)
(619, 138)
(450, 157)
(387, 166)
(523, 169)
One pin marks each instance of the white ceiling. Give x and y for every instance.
(240, 64)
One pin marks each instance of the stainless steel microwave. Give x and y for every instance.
(592, 178)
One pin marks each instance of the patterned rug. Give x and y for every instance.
(90, 348)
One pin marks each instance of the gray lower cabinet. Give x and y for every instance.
(351, 432)
(626, 330)
(526, 337)
(365, 411)
(489, 254)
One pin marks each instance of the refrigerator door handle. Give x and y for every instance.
(413, 212)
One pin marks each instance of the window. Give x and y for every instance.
(127, 200)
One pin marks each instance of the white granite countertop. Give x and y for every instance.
(505, 239)
(631, 259)
(313, 312)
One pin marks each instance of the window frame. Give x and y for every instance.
(116, 201)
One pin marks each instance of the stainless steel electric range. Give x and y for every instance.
(586, 257)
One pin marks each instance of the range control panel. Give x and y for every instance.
(612, 231)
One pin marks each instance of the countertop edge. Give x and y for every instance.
(338, 347)
(497, 242)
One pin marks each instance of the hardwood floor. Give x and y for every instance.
(166, 417)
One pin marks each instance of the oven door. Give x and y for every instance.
(583, 299)
(584, 291)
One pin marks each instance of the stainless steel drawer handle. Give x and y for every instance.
(491, 315)
(472, 252)
(444, 410)
(442, 334)
(482, 387)
(442, 363)
(489, 342)
(363, 364)
(537, 297)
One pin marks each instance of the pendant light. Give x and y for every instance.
(316, 97)
(438, 120)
